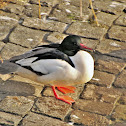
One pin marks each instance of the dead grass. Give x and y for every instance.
(2, 4)
(90, 1)
(5, 2)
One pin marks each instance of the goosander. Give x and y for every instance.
(59, 65)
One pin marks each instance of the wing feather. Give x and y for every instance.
(45, 52)
(26, 62)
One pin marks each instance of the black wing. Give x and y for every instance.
(37, 50)
(41, 53)
(54, 54)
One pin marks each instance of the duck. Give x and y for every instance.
(59, 65)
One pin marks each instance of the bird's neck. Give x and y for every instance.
(68, 51)
(84, 63)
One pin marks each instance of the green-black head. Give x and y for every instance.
(71, 45)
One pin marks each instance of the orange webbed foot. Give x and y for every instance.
(66, 99)
(66, 89)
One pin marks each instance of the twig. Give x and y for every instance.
(2, 4)
(1, 59)
(93, 13)
(39, 10)
(80, 8)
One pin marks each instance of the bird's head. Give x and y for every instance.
(71, 45)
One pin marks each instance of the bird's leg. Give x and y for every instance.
(66, 89)
(66, 99)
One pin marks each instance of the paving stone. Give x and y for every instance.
(56, 37)
(103, 94)
(5, 77)
(20, 2)
(121, 20)
(122, 100)
(123, 91)
(68, 13)
(17, 104)
(109, 6)
(11, 50)
(44, 25)
(75, 3)
(13, 8)
(102, 78)
(93, 106)
(118, 33)
(1, 80)
(119, 53)
(8, 16)
(121, 80)
(109, 58)
(86, 30)
(119, 124)
(88, 119)
(3, 95)
(121, 1)
(52, 107)
(6, 24)
(32, 10)
(46, 3)
(105, 19)
(112, 47)
(17, 88)
(26, 37)
(90, 43)
(9, 119)
(2, 44)
(119, 112)
(109, 66)
(40, 120)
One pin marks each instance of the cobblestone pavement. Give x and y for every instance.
(100, 102)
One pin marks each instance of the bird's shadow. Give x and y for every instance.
(119, 54)
(116, 55)
(16, 88)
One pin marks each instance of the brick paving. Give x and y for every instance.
(100, 102)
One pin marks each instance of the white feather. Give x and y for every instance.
(48, 66)
(26, 62)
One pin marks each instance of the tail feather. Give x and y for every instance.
(8, 67)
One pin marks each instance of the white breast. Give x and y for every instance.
(84, 63)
